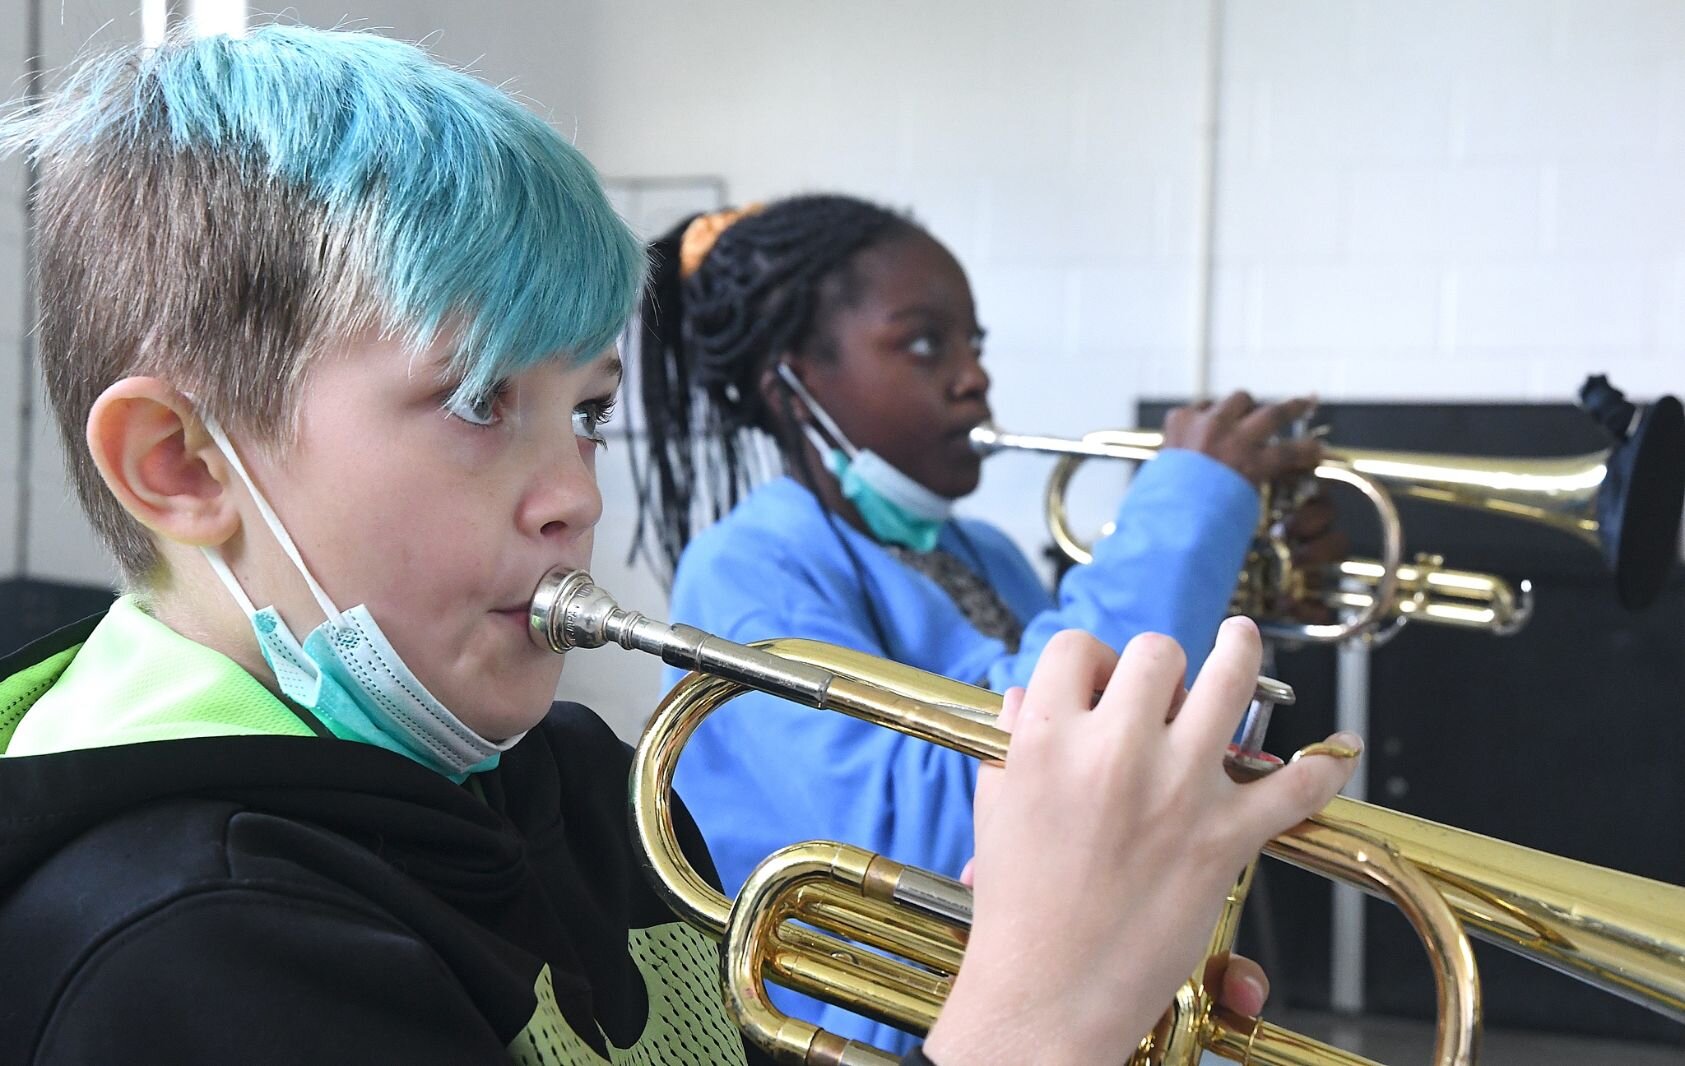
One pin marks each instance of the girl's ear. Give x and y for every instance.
(776, 392)
(160, 464)
(769, 384)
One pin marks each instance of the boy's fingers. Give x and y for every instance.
(1147, 683)
(1223, 689)
(1011, 703)
(988, 775)
(1179, 697)
(1243, 987)
(1072, 668)
(1297, 791)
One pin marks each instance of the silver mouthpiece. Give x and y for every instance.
(569, 611)
(985, 438)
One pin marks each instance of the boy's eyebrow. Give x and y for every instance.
(614, 367)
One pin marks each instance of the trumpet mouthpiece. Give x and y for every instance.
(985, 438)
(569, 611)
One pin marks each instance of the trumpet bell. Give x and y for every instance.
(1639, 510)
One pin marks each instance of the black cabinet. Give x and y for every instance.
(1568, 737)
(32, 609)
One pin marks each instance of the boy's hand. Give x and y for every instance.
(1245, 436)
(1106, 846)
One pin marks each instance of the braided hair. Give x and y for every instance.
(767, 287)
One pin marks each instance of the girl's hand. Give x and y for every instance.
(1245, 436)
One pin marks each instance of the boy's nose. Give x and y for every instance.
(564, 501)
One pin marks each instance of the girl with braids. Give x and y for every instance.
(847, 336)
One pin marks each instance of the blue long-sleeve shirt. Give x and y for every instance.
(762, 773)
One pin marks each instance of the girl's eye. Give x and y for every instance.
(925, 345)
(589, 419)
(481, 409)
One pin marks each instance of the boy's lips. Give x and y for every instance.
(522, 605)
(514, 616)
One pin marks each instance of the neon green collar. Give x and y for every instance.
(136, 679)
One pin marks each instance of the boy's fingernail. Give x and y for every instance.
(1338, 746)
(1259, 993)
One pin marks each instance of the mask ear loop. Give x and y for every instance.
(220, 565)
(270, 519)
(832, 430)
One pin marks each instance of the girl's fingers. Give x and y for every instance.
(1223, 689)
(1268, 420)
(1232, 409)
(1311, 519)
(1291, 456)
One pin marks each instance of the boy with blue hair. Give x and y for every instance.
(328, 330)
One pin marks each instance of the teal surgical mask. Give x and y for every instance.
(346, 671)
(897, 509)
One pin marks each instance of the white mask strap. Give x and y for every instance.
(220, 565)
(269, 517)
(831, 428)
(817, 439)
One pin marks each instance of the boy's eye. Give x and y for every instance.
(481, 409)
(925, 345)
(589, 419)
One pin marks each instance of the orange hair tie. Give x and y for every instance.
(702, 233)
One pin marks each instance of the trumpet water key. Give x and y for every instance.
(1625, 501)
(884, 940)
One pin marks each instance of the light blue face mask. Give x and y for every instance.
(348, 674)
(897, 509)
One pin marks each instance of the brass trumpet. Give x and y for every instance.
(1625, 501)
(1620, 932)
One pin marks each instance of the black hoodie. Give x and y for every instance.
(287, 900)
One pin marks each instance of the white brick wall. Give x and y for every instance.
(1467, 201)
(1416, 200)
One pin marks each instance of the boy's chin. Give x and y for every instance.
(499, 712)
(498, 727)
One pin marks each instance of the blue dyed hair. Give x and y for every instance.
(214, 210)
(464, 204)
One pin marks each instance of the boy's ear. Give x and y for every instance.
(159, 462)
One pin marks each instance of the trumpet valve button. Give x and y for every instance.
(1244, 765)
